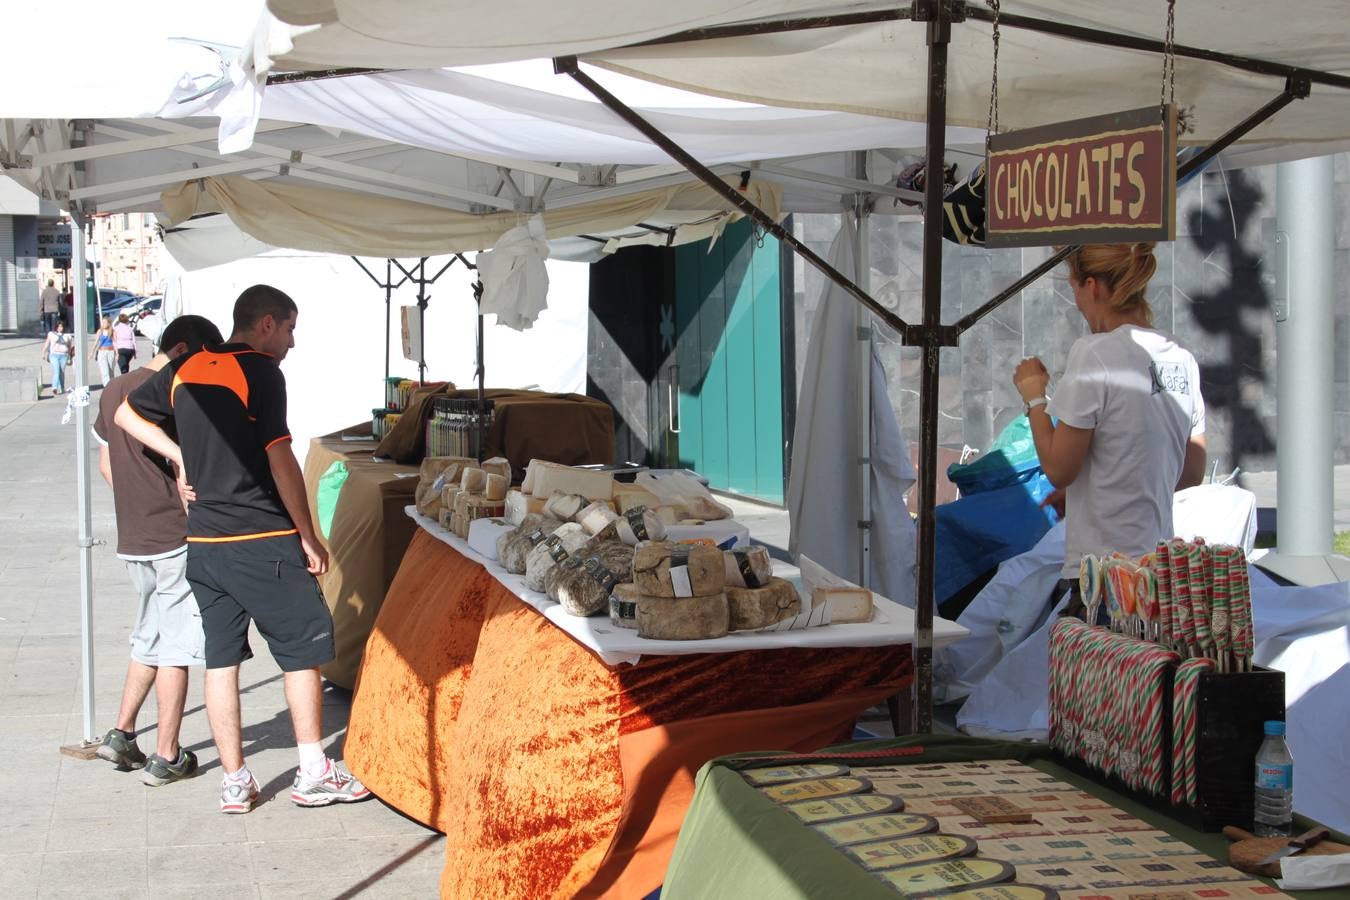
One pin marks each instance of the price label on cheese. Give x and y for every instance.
(1005, 892)
(780, 774)
(921, 848)
(813, 811)
(817, 789)
(876, 828)
(932, 878)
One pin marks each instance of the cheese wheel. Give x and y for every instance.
(682, 618)
(562, 543)
(444, 518)
(627, 496)
(663, 569)
(494, 486)
(461, 506)
(519, 505)
(583, 584)
(517, 546)
(590, 483)
(748, 566)
(434, 474)
(759, 607)
(623, 605)
(595, 517)
(640, 524)
(473, 480)
(565, 506)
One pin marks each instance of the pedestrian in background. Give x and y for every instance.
(167, 637)
(50, 306)
(124, 342)
(57, 350)
(102, 353)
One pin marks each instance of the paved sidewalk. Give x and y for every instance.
(81, 829)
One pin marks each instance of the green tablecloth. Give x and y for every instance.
(735, 842)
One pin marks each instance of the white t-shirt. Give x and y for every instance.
(1140, 393)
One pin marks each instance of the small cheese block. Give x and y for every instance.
(627, 496)
(444, 518)
(527, 484)
(640, 524)
(682, 618)
(663, 569)
(435, 473)
(583, 589)
(473, 480)
(595, 517)
(565, 506)
(484, 534)
(550, 477)
(480, 507)
(623, 605)
(519, 505)
(461, 506)
(498, 465)
(495, 486)
(759, 607)
(568, 538)
(748, 566)
(846, 604)
(459, 525)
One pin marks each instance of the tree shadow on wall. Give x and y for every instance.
(1222, 308)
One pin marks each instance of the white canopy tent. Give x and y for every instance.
(861, 58)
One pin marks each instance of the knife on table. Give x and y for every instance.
(1297, 845)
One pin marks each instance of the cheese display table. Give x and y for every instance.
(366, 542)
(737, 841)
(552, 772)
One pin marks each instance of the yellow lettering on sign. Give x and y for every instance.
(1052, 187)
(1036, 179)
(1136, 178)
(1100, 155)
(1024, 190)
(1082, 200)
(1117, 154)
(1000, 176)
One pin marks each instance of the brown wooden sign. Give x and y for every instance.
(1102, 180)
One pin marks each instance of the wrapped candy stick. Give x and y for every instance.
(1182, 630)
(1195, 560)
(1147, 602)
(1220, 620)
(1163, 571)
(1090, 585)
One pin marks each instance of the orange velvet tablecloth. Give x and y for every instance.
(551, 773)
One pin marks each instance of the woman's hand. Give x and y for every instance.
(1031, 378)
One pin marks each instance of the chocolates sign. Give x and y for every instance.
(1101, 180)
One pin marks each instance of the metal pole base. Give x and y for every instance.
(83, 749)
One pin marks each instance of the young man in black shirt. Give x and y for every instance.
(252, 549)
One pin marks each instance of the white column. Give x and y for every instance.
(84, 506)
(1306, 225)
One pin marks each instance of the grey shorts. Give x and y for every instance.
(168, 629)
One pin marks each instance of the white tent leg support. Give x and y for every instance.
(863, 216)
(1305, 313)
(85, 510)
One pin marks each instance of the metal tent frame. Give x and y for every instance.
(931, 334)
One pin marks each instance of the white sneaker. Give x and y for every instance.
(336, 785)
(238, 797)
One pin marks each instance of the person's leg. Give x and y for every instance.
(305, 700)
(222, 711)
(140, 678)
(171, 686)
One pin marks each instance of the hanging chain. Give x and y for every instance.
(1169, 85)
(992, 127)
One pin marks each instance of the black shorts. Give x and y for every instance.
(265, 580)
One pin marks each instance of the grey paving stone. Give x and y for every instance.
(117, 874)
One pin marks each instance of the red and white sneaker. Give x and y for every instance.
(336, 785)
(238, 797)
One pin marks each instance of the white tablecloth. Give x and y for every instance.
(891, 625)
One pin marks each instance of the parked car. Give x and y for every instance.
(144, 308)
(114, 301)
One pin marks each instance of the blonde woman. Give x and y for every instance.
(1131, 419)
(102, 352)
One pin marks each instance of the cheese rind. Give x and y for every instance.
(495, 486)
(498, 465)
(583, 584)
(640, 524)
(597, 516)
(846, 604)
(623, 605)
(565, 506)
(473, 480)
(751, 608)
(516, 550)
(748, 566)
(682, 618)
(550, 477)
(519, 505)
(566, 540)
(663, 569)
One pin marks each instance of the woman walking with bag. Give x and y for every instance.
(58, 350)
(124, 342)
(102, 353)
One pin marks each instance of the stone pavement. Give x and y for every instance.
(72, 828)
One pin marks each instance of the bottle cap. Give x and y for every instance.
(1274, 727)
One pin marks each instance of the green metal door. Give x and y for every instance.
(728, 322)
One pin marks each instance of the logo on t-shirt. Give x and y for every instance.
(1170, 378)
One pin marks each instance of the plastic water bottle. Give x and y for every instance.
(1274, 784)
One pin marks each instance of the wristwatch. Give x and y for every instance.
(1029, 405)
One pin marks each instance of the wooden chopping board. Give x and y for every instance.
(1247, 850)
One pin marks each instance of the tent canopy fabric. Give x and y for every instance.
(873, 69)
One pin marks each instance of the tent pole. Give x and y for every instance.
(862, 214)
(422, 322)
(938, 14)
(567, 65)
(83, 488)
(388, 312)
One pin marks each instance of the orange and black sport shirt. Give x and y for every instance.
(228, 404)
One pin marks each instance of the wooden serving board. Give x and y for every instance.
(1245, 854)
